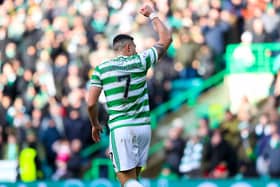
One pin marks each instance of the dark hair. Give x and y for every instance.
(119, 40)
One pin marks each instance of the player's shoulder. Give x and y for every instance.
(118, 60)
(147, 51)
(104, 64)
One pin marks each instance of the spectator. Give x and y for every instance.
(262, 129)
(174, 146)
(190, 164)
(62, 150)
(9, 79)
(272, 151)
(204, 62)
(254, 9)
(262, 133)
(11, 149)
(29, 163)
(230, 129)
(48, 137)
(243, 53)
(246, 110)
(236, 7)
(219, 159)
(23, 130)
(213, 29)
(246, 151)
(259, 34)
(74, 126)
(60, 72)
(270, 20)
(74, 165)
(5, 102)
(55, 112)
(36, 120)
(186, 55)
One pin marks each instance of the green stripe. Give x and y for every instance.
(125, 116)
(115, 151)
(114, 91)
(138, 56)
(122, 88)
(97, 69)
(122, 101)
(109, 80)
(95, 77)
(134, 124)
(138, 75)
(148, 60)
(134, 107)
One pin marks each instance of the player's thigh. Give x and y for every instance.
(144, 145)
(123, 151)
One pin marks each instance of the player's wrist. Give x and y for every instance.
(153, 15)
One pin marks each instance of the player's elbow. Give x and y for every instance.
(91, 105)
(90, 109)
(167, 41)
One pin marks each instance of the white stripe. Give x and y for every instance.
(116, 73)
(94, 82)
(117, 84)
(112, 74)
(130, 94)
(120, 108)
(152, 56)
(152, 53)
(155, 50)
(96, 85)
(130, 121)
(143, 61)
(121, 62)
(111, 85)
(144, 108)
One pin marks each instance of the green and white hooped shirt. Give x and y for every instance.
(123, 80)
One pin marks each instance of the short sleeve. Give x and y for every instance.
(95, 78)
(149, 57)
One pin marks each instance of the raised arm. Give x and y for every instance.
(164, 34)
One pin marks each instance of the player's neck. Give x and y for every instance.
(123, 53)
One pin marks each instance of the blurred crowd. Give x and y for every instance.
(246, 144)
(49, 49)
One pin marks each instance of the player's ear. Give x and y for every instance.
(128, 47)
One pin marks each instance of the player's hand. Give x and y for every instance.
(146, 10)
(95, 132)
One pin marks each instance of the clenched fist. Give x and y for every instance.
(146, 10)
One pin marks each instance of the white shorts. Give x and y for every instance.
(129, 146)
